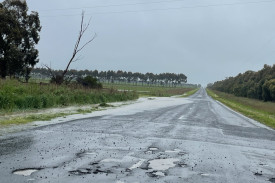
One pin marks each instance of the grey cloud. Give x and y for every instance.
(206, 44)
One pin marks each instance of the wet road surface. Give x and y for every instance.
(199, 140)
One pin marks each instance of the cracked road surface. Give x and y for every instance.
(193, 140)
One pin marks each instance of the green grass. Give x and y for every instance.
(189, 93)
(20, 96)
(31, 118)
(263, 112)
(17, 97)
(147, 91)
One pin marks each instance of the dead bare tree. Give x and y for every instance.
(59, 79)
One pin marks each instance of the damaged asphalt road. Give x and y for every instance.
(195, 140)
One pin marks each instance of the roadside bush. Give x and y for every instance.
(89, 82)
(44, 102)
(5, 102)
(63, 100)
(19, 103)
(32, 102)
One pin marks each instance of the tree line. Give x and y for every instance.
(119, 76)
(19, 33)
(258, 85)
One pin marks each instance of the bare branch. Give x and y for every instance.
(87, 43)
(83, 28)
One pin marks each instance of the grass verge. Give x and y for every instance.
(27, 99)
(30, 118)
(21, 96)
(27, 117)
(189, 93)
(263, 112)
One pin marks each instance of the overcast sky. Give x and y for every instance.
(207, 40)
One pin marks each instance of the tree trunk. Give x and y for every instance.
(3, 69)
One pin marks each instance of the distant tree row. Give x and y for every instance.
(19, 33)
(120, 76)
(258, 85)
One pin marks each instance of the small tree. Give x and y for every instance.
(60, 78)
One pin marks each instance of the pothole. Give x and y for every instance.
(137, 165)
(153, 149)
(144, 166)
(81, 172)
(272, 180)
(204, 174)
(111, 160)
(182, 164)
(258, 173)
(181, 153)
(262, 164)
(176, 151)
(162, 164)
(172, 151)
(26, 172)
(86, 171)
(156, 174)
(85, 153)
(102, 171)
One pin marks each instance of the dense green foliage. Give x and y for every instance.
(19, 33)
(258, 85)
(15, 95)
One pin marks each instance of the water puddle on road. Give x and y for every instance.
(204, 174)
(162, 164)
(155, 174)
(25, 172)
(173, 151)
(153, 149)
(262, 164)
(160, 174)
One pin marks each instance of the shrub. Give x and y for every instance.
(89, 82)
